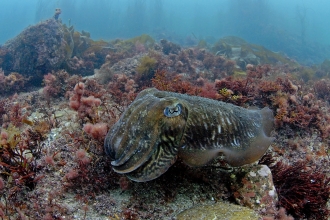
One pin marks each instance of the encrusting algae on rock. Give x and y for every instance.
(158, 127)
(220, 210)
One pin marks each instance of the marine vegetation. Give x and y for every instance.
(13, 81)
(296, 185)
(146, 69)
(139, 44)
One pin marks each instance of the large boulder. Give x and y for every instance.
(37, 50)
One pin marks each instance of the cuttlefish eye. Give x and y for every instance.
(173, 111)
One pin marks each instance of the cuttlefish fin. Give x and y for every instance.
(196, 158)
(256, 149)
(235, 156)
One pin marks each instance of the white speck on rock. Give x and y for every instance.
(252, 174)
(264, 171)
(272, 192)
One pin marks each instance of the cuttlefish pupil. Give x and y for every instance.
(170, 111)
(158, 127)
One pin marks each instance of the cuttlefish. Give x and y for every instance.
(158, 127)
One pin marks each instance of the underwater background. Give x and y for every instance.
(298, 28)
(164, 109)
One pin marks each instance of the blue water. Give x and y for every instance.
(275, 24)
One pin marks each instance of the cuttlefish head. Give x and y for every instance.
(144, 143)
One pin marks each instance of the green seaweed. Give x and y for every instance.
(96, 46)
(81, 43)
(146, 66)
(326, 65)
(202, 44)
(306, 74)
(84, 45)
(221, 47)
(144, 39)
(69, 41)
(129, 45)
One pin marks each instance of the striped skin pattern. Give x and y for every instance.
(158, 127)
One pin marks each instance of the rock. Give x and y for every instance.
(169, 47)
(254, 188)
(244, 53)
(37, 50)
(126, 66)
(219, 210)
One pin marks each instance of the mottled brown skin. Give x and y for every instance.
(160, 126)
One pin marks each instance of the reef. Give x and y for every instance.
(245, 53)
(39, 49)
(56, 109)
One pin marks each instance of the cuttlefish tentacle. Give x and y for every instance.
(158, 127)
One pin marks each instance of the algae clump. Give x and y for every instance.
(129, 45)
(202, 44)
(220, 210)
(146, 66)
